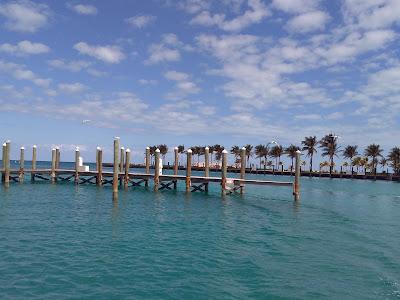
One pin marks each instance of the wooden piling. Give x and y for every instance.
(188, 169)
(34, 148)
(242, 167)
(116, 167)
(99, 166)
(206, 166)
(3, 161)
(121, 165)
(224, 170)
(156, 169)
(77, 165)
(53, 165)
(21, 164)
(296, 185)
(127, 162)
(7, 164)
(58, 157)
(176, 165)
(147, 165)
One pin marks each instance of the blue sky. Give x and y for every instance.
(198, 72)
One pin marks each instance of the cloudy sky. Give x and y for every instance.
(198, 72)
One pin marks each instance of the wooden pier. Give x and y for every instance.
(121, 177)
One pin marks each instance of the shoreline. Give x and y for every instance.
(367, 176)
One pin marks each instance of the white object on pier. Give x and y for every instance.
(161, 167)
(81, 167)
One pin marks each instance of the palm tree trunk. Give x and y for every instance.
(311, 164)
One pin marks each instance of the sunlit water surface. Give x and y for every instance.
(341, 241)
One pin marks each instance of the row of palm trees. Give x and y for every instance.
(328, 145)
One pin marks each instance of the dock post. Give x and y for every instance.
(116, 167)
(77, 165)
(176, 165)
(156, 169)
(99, 166)
(53, 165)
(296, 185)
(242, 168)
(206, 166)
(224, 170)
(7, 164)
(188, 169)
(121, 165)
(21, 164)
(33, 162)
(3, 161)
(147, 165)
(127, 162)
(58, 156)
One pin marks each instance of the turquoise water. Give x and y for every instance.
(341, 241)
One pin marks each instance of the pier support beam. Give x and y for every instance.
(224, 170)
(7, 164)
(53, 165)
(206, 166)
(34, 148)
(116, 166)
(242, 167)
(127, 162)
(58, 157)
(77, 165)
(147, 162)
(156, 169)
(296, 185)
(121, 165)
(176, 165)
(21, 164)
(99, 166)
(188, 169)
(3, 161)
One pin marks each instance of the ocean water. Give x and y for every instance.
(341, 241)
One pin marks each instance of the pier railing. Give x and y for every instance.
(122, 177)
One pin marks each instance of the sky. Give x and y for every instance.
(197, 72)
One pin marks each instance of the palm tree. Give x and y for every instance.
(196, 151)
(218, 151)
(310, 145)
(373, 151)
(260, 151)
(276, 152)
(356, 162)
(394, 158)
(235, 150)
(249, 152)
(211, 150)
(291, 152)
(152, 152)
(383, 162)
(350, 152)
(330, 148)
(163, 150)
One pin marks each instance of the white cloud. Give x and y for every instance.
(295, 6)
(372, 14)
(24, 15)
(147, 81)
(140, 21)
(256, 12)
(167, 50)
(73, 65)
(71, 88)
(308, 117)
(194, 6)
(108, 54)
(309, 21)
(184, 85)
(84, 9)
(20, 72)
(24, 48)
